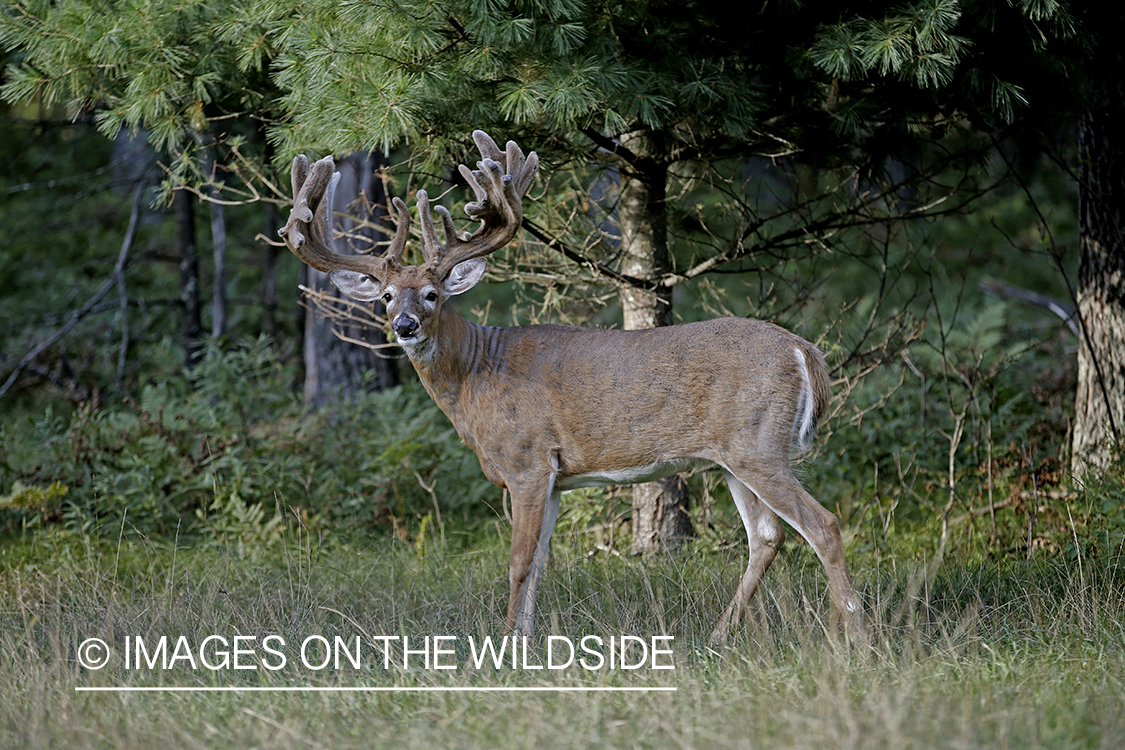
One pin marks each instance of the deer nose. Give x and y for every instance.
(405, 327)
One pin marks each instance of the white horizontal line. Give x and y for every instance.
(360, 689)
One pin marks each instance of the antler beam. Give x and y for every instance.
(308, 233)
(498, 183)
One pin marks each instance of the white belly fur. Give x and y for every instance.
(633, 474)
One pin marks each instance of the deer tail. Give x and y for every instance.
(815, 390)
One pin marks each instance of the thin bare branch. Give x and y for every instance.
(77, 316)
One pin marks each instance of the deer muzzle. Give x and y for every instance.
(406, 327)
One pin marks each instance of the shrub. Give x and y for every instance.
(231, 453)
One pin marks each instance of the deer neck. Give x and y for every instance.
(451, 357)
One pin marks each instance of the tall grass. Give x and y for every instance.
(995, 654)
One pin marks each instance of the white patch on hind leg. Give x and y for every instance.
(768, 530)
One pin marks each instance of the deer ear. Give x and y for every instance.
(356, 285)
(464, 276)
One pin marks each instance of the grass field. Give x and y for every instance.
(997, 654)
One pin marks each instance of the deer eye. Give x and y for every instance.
(431, 296)
(387, 298)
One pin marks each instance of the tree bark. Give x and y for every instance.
(219, 253)
(1100, 400)
(660, 517)
(269, 273)
(335, 369)
(191, 327)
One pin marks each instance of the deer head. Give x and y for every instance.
(414, 294)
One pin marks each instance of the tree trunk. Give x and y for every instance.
(1100, 403)
(660, 517)
(335, 369)
(191, 328)
(219, 251)
(219, 246)
(134, 161)
(269, 274)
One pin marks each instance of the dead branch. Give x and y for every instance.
(346, 313)
(1010, 291)
(77, 316)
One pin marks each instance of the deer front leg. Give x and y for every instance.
(535, 508)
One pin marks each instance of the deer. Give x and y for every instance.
(551, 408)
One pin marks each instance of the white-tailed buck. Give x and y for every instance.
(549, 408)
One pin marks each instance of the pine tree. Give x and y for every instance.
(156, 66)
(195, 77)
(658, 91)
(646, 94)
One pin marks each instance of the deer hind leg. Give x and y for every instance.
(535, 509)
(777, 487)
(765, 537)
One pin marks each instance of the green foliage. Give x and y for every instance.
(1103, 517)
(815, 77)
(431, 72)
(962, 411)
(245, 527)
(949, 430)
(915, 44)
(35, 498)
(231, 455)
(380, 454)
(960, 50)
(162, 66)
(363, 76)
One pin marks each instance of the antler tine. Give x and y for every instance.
(430, 248)
(487, 147)
(324, 208)
(299, 174)
(447, 226)
(402, 232)
(499, 183)
(308, 232)
(524, 169)
(301, 213)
